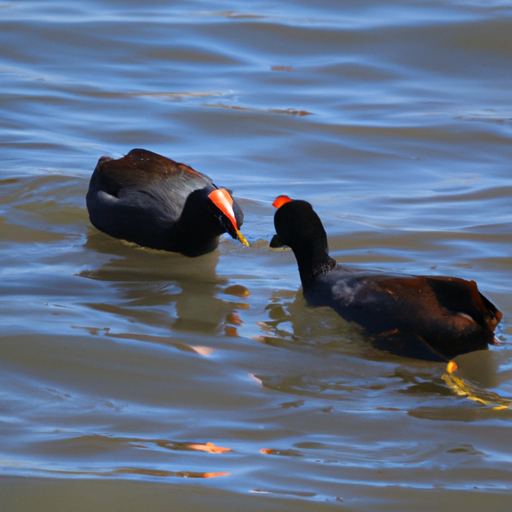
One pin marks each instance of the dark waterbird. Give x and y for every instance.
(156, 202)
(432, 318)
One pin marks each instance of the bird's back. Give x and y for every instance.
(141, 196)
(447, 314)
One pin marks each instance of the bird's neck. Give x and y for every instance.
(196, 225)
(313, 261)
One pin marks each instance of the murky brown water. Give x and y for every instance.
(133, 378)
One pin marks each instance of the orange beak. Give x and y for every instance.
(221, 198)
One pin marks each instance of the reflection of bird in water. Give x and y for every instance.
(156, 202)
(200, 310)
(293, 326)
(472, 374)
(164, 290)
(432, 318)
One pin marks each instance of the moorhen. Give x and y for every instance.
(432, 318)
(156, 202)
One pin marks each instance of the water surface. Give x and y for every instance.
(143, 379)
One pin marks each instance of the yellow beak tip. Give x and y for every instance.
(242, 238)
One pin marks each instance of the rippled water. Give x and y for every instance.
(134, 378)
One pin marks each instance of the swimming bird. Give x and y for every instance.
(426, 317)
(156, 202)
